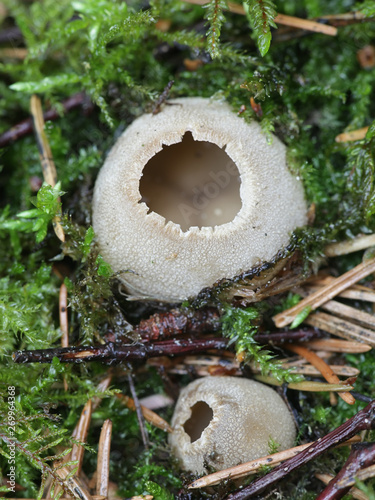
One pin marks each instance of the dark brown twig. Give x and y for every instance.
(363, 420)
(116, 353)
(361, 455)
(113, 353)
(26, 126)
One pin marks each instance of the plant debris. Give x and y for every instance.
(77, 74)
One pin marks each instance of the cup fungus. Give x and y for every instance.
(192, 195)
(224, 421)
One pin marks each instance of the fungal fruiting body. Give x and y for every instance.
(192, 195)
(224, 421)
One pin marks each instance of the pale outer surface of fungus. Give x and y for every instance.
(167, 263)
(246, 414)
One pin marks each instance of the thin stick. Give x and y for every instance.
(361, 475)
(63, 313)
(326, 293)
(361, 455)
(322, 366)
(341, 328)
(102, 468)
(138, 410)
(355, 492)
(151, 417)
(336, 345)
(354, 135)
(363, 420)
(115, 352)
(252, 467)
(112, 352)
(360, 242)
(45, 153)
(294, 22)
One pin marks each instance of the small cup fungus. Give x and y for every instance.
(192, 195)
(225, 421)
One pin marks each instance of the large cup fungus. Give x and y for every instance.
(223, 421)
(192, 195)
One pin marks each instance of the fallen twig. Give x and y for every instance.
(361, 455)
(114, 353)
(363, 420)
(355, 492)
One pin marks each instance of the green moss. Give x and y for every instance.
(310, 89)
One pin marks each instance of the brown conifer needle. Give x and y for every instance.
(151, 417)
(326, 293)
(102, 469)
(322, 366)
(294, 22)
